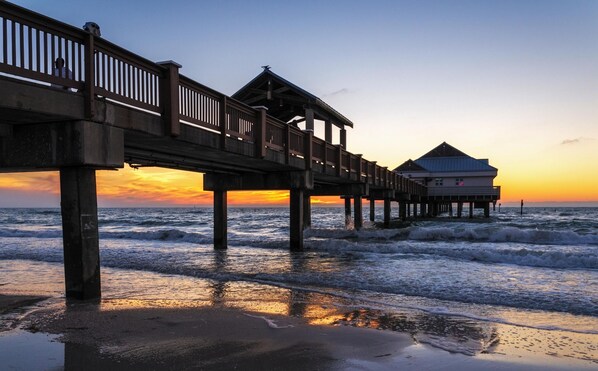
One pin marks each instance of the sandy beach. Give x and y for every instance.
(120, 334)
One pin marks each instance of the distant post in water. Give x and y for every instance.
(521, 207)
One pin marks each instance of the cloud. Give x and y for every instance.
(576, 140)
(337, 92)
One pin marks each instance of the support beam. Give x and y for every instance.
(387, 212)
(358, 218)
(309, 119)
(343, 138)
(296, 219)
(78, 202)
(372, 209)
(259, 182)
(353, 189)
(220, 220)
(328, 131)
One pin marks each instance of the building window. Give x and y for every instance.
(459, 182)
(438, 182)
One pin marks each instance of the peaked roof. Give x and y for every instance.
(444, 150)
(445, 158)
(409, 165)
(286, 100)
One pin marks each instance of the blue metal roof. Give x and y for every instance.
(453, 163)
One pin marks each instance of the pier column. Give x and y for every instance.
(408, 204)
(358, 218)
(372, 209)
(450, 209)
(402, 210)
(296, 218)
(347, 211)
(415, 210)
(487, 210)
(387, 212)
(470, 210)
(220, 220)
(306, 211)
(79, 208)
(459, 209)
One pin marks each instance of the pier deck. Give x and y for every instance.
(114, 107)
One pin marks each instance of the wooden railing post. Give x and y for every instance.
(287, 144)
(169, 98)
(89, 90)
(222, 121)
(259, 131)
(386, 183)
(339, 160)
(343, 138)
(325, 159)
(359, 166)
(308, 146)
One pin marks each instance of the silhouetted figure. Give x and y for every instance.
(62, 71)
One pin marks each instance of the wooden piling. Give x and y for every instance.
(296, 218)
(78, 203)
(220, 220)
(372, 209)
(358, 218)
(306, 211)
(347, 211)
(387, 212)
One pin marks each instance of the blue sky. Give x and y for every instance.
(513, 81)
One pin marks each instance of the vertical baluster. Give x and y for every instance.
(46, 54)
(121, 78)
(80, 61)
(129, 79)
(72, 66)
(103, 71)
(114, 79)
(13, 37)
(59, 41)
(53, 53)
(96, 63)
(30, 49)
(37, 51)
(4, 42)
(21, 46)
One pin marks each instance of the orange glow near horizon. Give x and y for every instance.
(560, 179)
(130, 187)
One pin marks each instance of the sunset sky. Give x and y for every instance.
(512, 81)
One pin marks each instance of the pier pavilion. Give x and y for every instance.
(452, 176)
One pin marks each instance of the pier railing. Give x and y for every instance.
(32, 43)
(491, 191)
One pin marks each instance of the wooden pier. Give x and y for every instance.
(115, 107)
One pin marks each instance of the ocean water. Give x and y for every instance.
(467, 280)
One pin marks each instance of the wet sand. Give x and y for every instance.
(106, 335)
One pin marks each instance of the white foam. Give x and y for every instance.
(270, 322)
